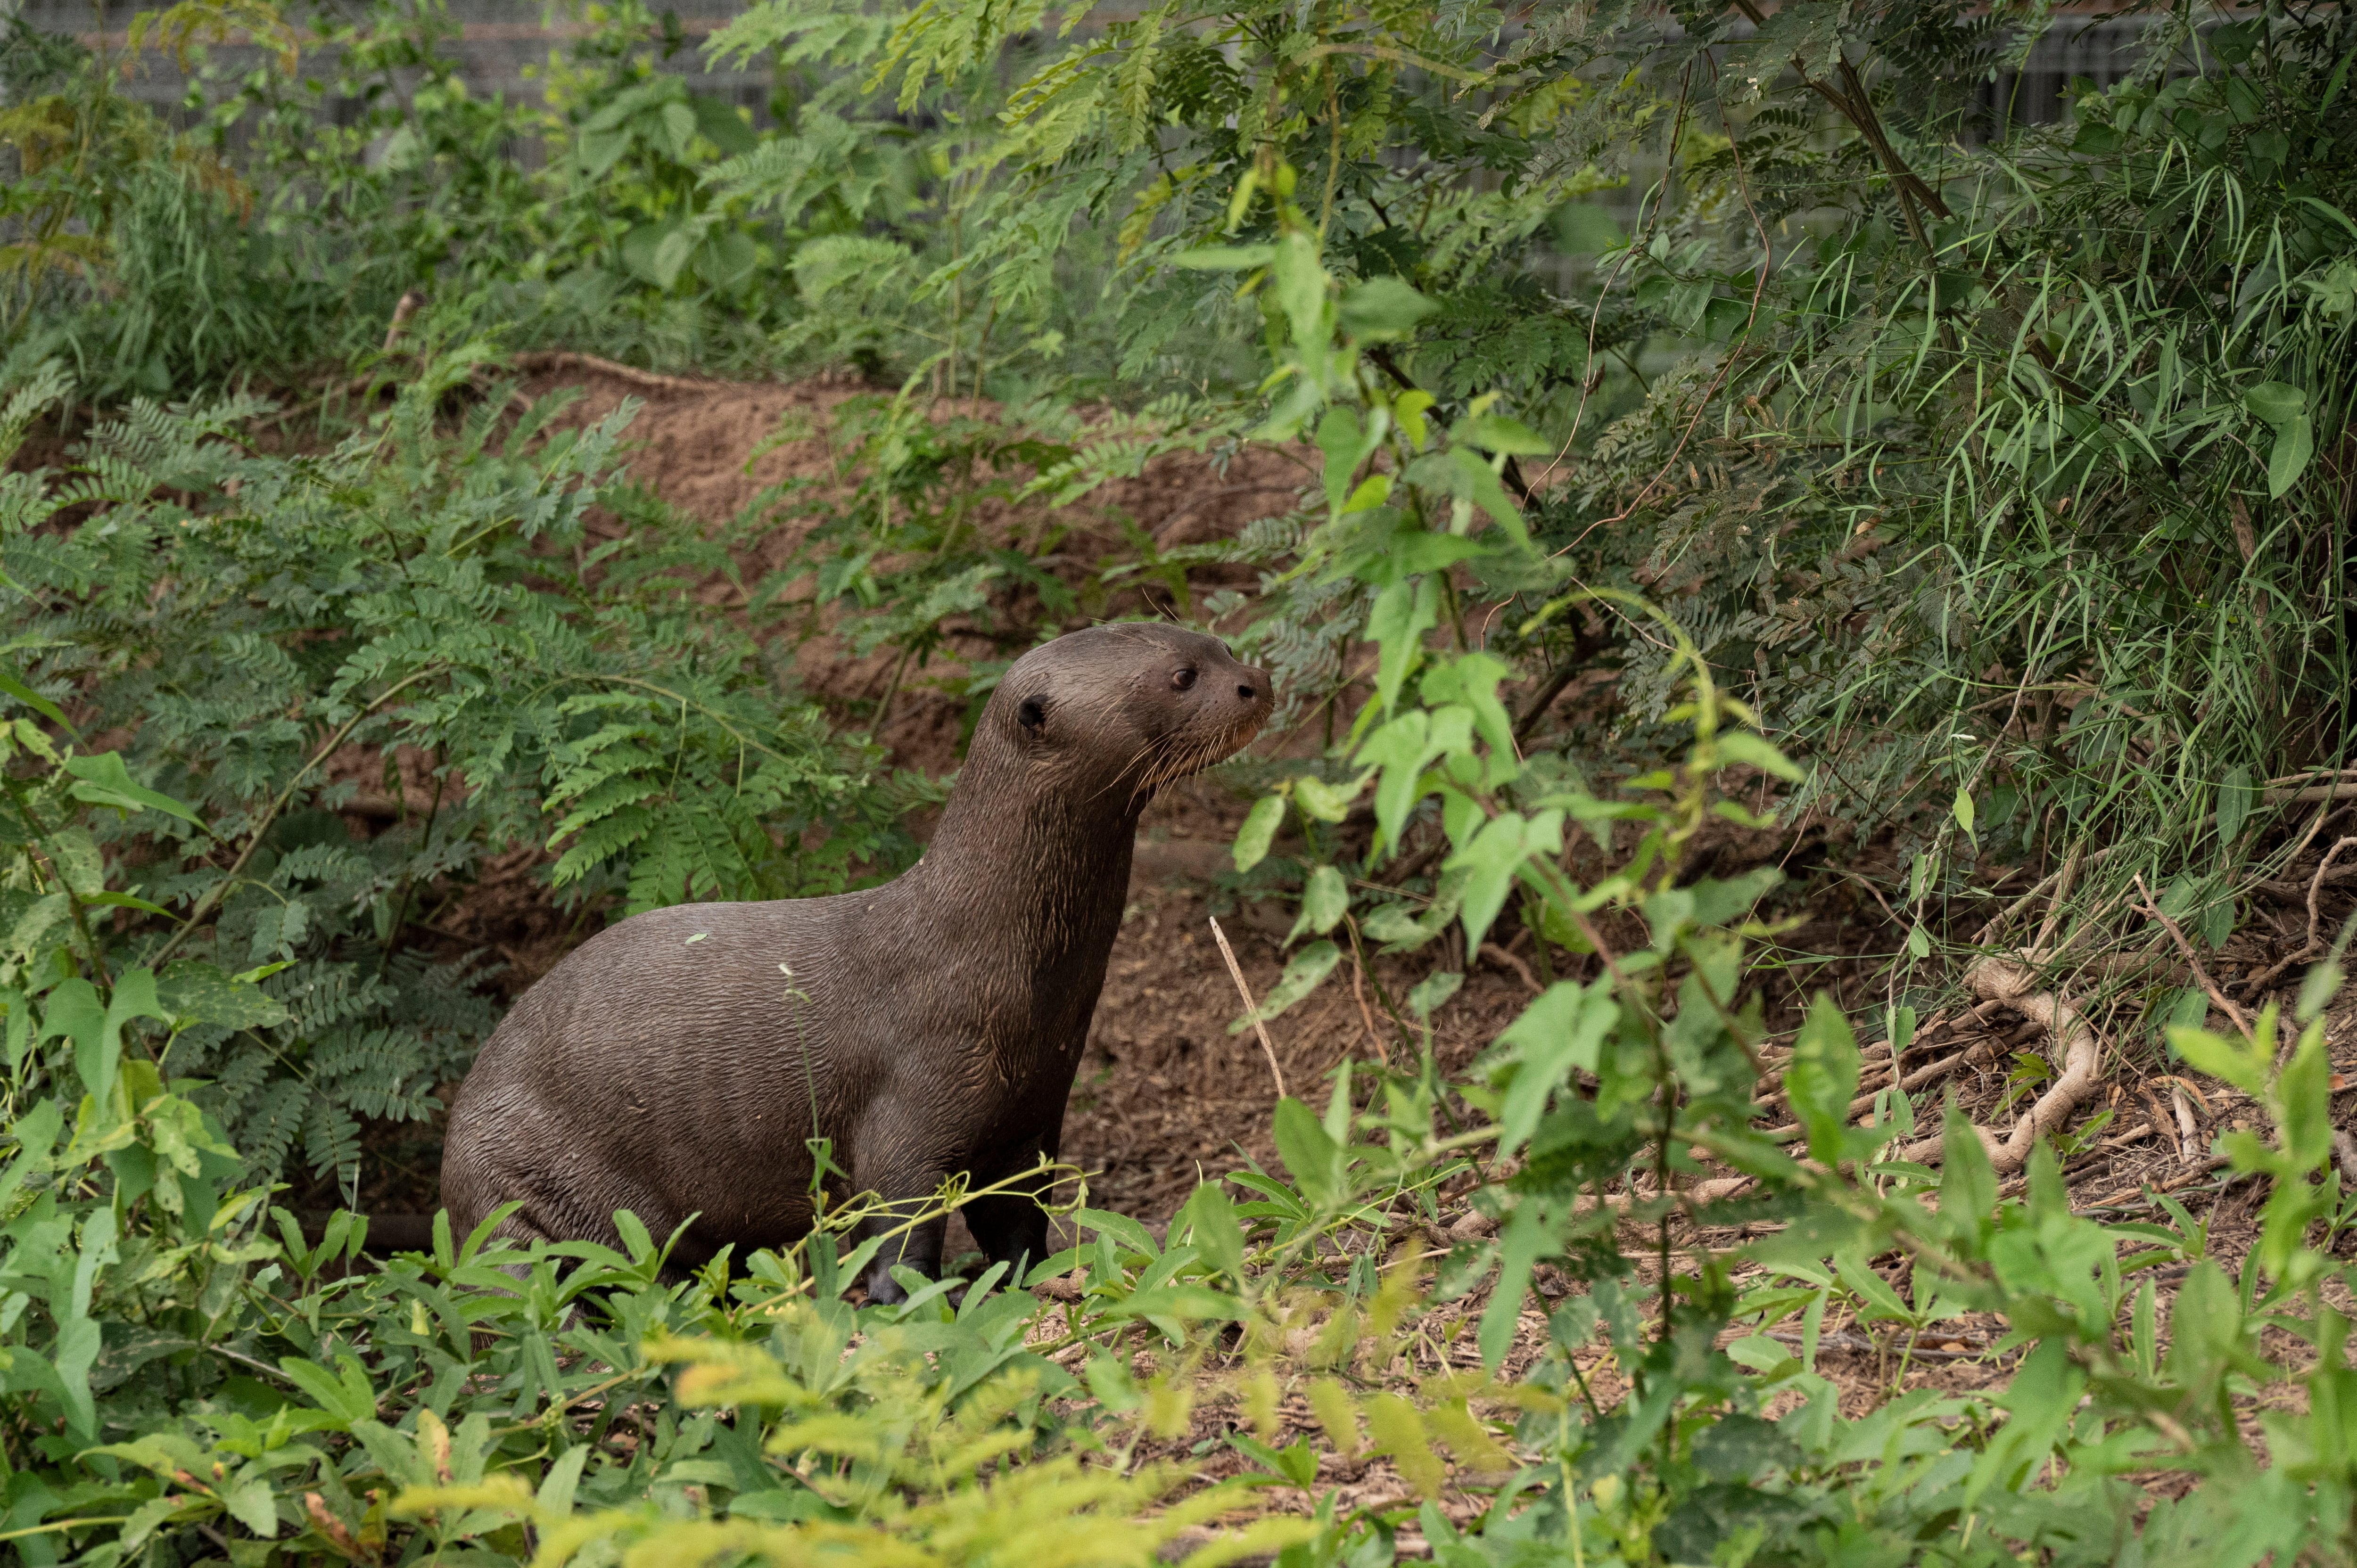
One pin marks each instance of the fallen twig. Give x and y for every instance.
(1499, 955)
(1251, 1008)
(2341, 788)
(2314, 946)
(2188, 1131)
(560, 360)
(408, 306)
(2193, 961)
(2215, 1163)
(2004, 917)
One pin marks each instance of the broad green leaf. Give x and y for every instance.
(1180, 1301)
(1496, 432)
(1301, 284)
(1559, 1033)
(1131, 1234)
(2042, 1400)
(125, 901)
(1325, 900)
(75, 1013)
(1259, 830)
(554, 1499)
(2318, 990)
(1432, 992)
(1475, 480)
(1495, 857)
(2305, 1093)
(2234, 1061)
(1822, 1078)
(1402, 614)
(1309, 967)
(1327, 803)
(1409, 411)
(2235, 800)
(16, 688)
(1473, 679)
(2276, 402)
(1524, 1240)
(1876, 1297)
(722, 125)
(1742, 746)
(1967, 1181)
(1964, 810)
(1214, 1230)
(2205, 1329)
(1314, 1159)
(251, 1502)
(1383, 307)
(2295, 444)
(678, 128)
(1224, 258)
(192, 990)
(1344, 446)
(348, 1397)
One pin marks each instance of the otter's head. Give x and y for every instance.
(1122, 709)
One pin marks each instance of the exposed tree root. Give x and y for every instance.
(2070, 1038)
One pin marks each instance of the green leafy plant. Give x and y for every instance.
(413, 595)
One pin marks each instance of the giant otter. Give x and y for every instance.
(664, 1069)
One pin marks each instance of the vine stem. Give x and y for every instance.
(214, 895)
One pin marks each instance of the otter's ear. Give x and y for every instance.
(1031, 712)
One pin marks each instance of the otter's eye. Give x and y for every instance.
(1184, 680)
(1031, 712)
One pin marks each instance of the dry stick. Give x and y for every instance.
(551, 360)
(1499, 956)
(2188, 1131)
(408, 306)
(2005, 916)
(2242, 1020)
(2187, 1178)
(2345, 789)
(2070, 877)
(2344, 1155)
(1251, 1008)
(2312, 947)
(2315, 825)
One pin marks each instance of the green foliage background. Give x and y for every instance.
(1987, 483)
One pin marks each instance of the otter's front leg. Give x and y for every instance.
(907, 1181)
(920, 1249)
(1011, 1227)
(1013, 1230)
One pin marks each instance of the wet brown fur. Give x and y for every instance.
(669, 1066)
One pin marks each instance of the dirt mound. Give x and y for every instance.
(714, 449)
